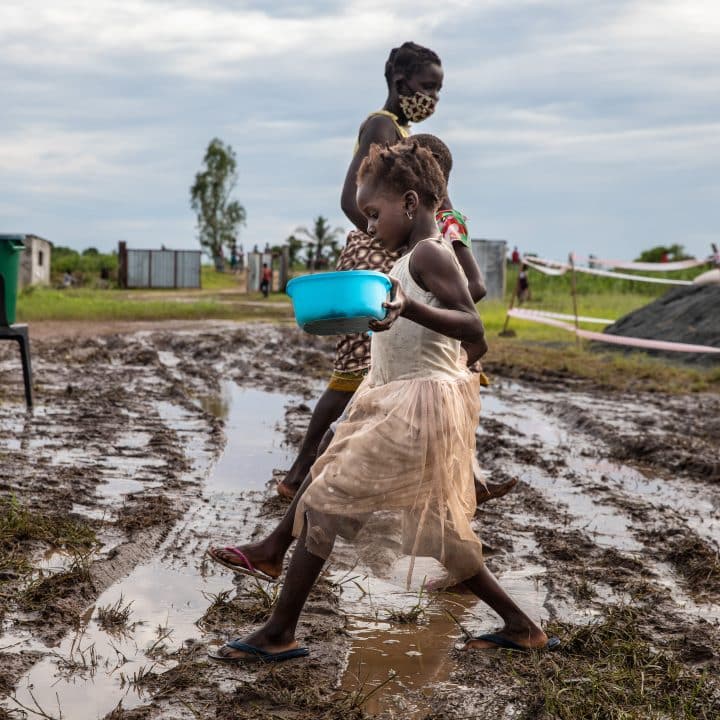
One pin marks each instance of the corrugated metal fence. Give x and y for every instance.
(161, 268)
(490, 256)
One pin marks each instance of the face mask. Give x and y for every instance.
(417, 107)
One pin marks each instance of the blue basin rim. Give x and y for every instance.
(338, 274)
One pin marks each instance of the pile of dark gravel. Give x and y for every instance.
(686, 314)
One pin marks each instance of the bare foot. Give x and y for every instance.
(286, 491)
(493, 490)
(532, 638)
(244, 558)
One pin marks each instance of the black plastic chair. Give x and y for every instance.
(19, 333)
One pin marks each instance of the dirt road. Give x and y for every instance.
(149, 445)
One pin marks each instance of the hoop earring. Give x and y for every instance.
(410, 217)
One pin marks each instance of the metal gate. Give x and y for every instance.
(161, 268)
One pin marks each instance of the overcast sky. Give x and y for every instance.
(591, 126)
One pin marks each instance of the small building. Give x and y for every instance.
(490, 257)
(35, 262)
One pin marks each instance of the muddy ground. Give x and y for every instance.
(146, 446)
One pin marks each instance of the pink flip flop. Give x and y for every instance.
(247, 568)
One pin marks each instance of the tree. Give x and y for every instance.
(294, 244)
(218, 217)
(656, 254)
(320, 236)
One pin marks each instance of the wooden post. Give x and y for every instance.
(505, 330)
(284, 268)
(571, 259)
(122, 264)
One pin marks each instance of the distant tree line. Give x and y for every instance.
(663, 253)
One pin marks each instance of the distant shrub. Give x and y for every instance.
(84, 267)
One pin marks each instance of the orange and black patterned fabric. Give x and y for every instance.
(361, 252)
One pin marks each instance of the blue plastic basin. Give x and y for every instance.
(338, 303)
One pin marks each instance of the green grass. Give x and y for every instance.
(40, 304)
(213, 280)
(21, 529)
(598, 297)
(612, 669)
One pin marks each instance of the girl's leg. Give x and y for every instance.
(329, 407)
(268, 554)
(518, 626)
(278, 632)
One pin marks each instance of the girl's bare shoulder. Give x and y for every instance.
(377, 129)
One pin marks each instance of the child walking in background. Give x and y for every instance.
(523, 285)
(266, 280)
(452, 224)
(407, 442)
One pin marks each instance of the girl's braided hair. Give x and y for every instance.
(402, 167)
(408, 59)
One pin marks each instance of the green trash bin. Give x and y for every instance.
(10, 248)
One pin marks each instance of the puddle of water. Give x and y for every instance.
(254, 445)
(92, 513)
(132, 440)
(417, 656)
(88, 672)
(599, 516)
(413, 656)
(164, 600)
(53, 560)
(167, 358)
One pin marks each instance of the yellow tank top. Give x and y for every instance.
(403, 131)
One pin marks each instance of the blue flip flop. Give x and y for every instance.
(258, 654)
(503, 642)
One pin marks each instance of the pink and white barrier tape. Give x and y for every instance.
(545, 269)
(552, 267)
(563, 316)
(646, 266)
(534, 316)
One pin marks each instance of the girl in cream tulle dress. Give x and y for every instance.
(407, 440)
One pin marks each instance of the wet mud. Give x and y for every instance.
(145, 448)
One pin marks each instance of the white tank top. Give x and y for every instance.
(408, 350)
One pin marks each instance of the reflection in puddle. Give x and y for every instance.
(389, 661)
(392, 664)
(254, 445)
(609, 524)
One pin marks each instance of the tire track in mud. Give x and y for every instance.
(613, 504)
(97, 449)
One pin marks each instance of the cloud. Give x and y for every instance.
(199, 41)
(108, 107)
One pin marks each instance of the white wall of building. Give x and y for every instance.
(35, 261)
